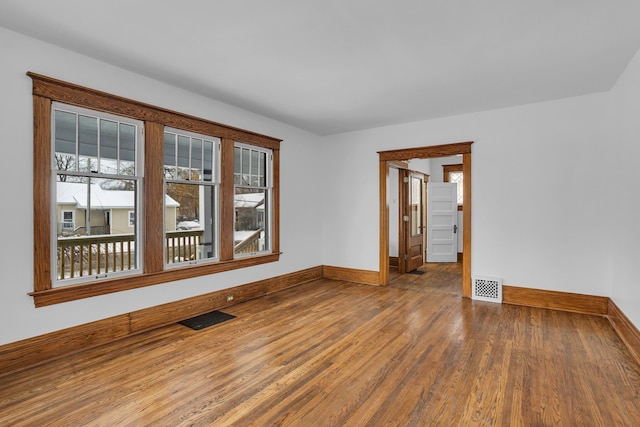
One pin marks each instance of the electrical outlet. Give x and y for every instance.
(229, 298)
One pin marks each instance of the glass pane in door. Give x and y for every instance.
(416, 206)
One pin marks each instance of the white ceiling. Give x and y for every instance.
(331, 66)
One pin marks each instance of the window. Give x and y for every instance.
(191, 181)
(92, 205)
(67, 222)
(453, 174)
(252, 199)
(95, 170)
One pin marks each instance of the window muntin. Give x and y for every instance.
(96, 175)
(191, 174)
(252, 199)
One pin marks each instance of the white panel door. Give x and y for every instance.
(442, 222)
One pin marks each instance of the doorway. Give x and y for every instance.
(385, 157)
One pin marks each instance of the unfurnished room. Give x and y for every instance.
(320, 213)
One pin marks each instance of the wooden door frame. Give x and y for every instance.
(445, 150)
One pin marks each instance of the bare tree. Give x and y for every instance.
(64, 162)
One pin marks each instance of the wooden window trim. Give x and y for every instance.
(445, 176)
(47, 90)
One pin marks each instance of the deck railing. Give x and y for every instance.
(250, 244)
(95, 255)
(182, 245)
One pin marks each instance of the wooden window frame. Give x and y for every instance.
(445, 177)
(47, 90)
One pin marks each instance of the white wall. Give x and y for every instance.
(623, 185)
(420, 165)
(531, 166)
(300, 201)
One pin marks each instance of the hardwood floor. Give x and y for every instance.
(331, 353)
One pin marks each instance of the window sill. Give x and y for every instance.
(87, 290)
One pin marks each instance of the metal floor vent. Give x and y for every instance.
(487, 289)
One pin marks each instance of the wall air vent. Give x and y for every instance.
(487, 289)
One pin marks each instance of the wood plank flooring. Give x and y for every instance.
(331, 353)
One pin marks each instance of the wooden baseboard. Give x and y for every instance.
(153, 317)
(367, 277)
(34, 351)
(626, 330)
(555, 300)
(37, 350)
(393, 261)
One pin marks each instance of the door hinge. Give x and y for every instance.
(405, 218)
(406, 257)
(405, 179)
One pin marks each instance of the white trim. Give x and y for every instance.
(268, 200)
(214, 184)
(136, 178)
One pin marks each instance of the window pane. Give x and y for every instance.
(102, 238)
(263, 169)
(246, 164)
(251, 217)
(196, 159)
(183, 157)
(208, 161)
(88, 136)
(255, 167)
(416, 206)
(108, 146)
(237, 166)
(183, 151)
(169, 155)
(65, 133)
(127, 151)
(189, 223)
(88, 143)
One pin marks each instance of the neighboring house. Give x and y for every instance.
(249, 211)
(112, 211)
